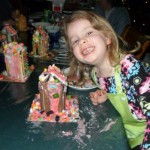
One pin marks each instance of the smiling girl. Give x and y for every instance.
(121, 78)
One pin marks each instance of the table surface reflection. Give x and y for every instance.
(100, 128)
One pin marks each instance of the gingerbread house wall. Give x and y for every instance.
(15, 65)
(45, 98)
(45, 104)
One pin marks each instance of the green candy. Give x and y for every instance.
(69, 97)
(56, 95)
(56, 80)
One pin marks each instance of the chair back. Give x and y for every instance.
(132, 36)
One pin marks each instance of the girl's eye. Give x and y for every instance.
(89, 33)
(75, 42)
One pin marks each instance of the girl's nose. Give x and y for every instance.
(83, 41)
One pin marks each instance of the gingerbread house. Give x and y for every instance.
(17, 67)
(52, 90)
(52, 104)
(40, 42)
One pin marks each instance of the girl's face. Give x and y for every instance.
(89, 45)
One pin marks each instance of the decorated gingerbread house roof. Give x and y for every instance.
(10, 32)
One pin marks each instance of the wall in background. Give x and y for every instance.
(140, 14)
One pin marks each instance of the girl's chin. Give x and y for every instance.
(89, 62)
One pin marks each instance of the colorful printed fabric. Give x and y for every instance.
(135, 78)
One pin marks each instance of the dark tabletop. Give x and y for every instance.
(100, 128)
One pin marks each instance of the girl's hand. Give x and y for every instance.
(99, 96)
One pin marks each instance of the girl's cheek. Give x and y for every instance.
(75, 52)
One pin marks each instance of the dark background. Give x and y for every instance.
(140, 14)
(139, 10)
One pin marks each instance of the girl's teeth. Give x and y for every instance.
(87, 50)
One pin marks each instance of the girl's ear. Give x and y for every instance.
(108, 40)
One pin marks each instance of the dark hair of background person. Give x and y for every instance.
(6, 10)
(115, 3)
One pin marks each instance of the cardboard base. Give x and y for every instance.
(5, 78)
(48, 56)
(67, 115)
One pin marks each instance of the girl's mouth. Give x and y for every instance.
(87, 50)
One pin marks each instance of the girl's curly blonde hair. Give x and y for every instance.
(102, 26)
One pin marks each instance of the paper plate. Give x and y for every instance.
(43, 24)
(90, 87)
